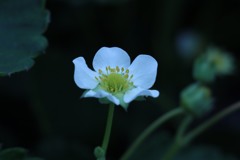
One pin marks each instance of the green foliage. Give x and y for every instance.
(16, 154)
(22, 25)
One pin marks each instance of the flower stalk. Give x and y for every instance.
(100, 152)
(108, 127)
(178, 144)
(156, 124)
(182, 141)
(201, 128)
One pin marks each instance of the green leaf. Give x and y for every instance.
(13, 154)
(22, 24)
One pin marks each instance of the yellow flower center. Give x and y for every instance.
(115, 80)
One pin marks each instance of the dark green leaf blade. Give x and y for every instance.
(22, 24)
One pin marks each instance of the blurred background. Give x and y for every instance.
(41, 108)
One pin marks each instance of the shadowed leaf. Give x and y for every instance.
(22, 24)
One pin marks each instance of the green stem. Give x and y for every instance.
(198, 130)
(108, 128)
(149, 130)
(183, 127)
(176, 146)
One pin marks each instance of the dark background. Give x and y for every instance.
(41, 109)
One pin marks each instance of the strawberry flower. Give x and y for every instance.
(114, 79)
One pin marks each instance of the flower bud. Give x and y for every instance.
(196, 99)
(211, 64)
(99, 153)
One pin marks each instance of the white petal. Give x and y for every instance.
(112, 57)
(83, 76)
(101, 94)
(134, 93)
(144, 70)
(152, 93)
(113, 99)
(96, 94)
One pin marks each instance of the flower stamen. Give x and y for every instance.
(114, 81)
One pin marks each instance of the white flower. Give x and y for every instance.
(114, 79)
